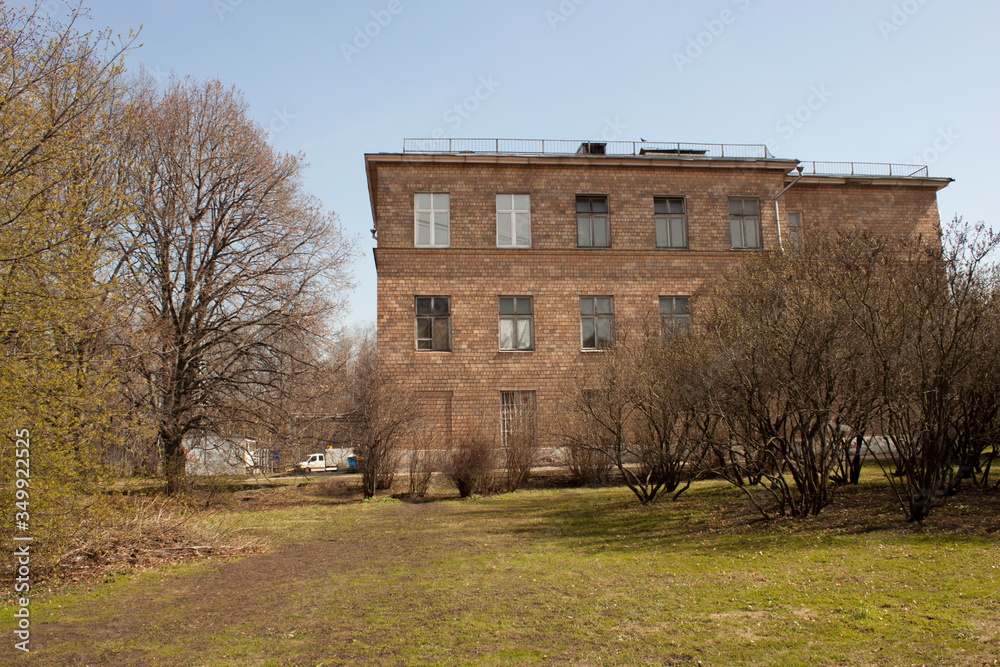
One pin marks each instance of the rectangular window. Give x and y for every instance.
(513, 221)
(517, 417)
(597, 318)
(675, 311)
(592, 227)
(744, 223)
(671, 222)
(795, 231)
(516, 323)
(434, 323)
(431, 222)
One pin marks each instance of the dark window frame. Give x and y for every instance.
(588, 211)
(591, 312)
(436, 323)
(515, 317)
(663, 211)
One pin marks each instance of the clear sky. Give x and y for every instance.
(853, 80)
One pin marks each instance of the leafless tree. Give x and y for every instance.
(381, 415)
(232, 267)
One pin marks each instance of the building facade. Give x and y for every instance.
(504, 265)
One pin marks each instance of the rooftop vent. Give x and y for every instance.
(592, 148)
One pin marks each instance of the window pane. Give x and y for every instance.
(677, 239)
(584, 238)
(523, 229)
(660, 205)
(524, 334)
(425, 344)
(423, 228)
(423, 201)
(503, 229)
(441, 305)
(750, 206)
(441, 202)
(441, 332)
(794, 219)
(423, 327)
(503, 202)
(506, 305)
(736, 231)
(582, 205)
(735, 207)
(661, 232)
(682, 304)
(586, 305)
(506, 334)
(522, 202)
(599, 205)
(605, 305)
(588, 333)
(600, 231)
(442, 234)
(603, 331)
(750, 233)
(666, 305)
(677, 206)
(523, 306)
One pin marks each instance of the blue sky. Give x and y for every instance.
(871, 81)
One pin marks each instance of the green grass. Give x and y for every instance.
(553, 577)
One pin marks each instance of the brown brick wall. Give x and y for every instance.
(475, 273)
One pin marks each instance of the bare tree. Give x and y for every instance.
(381, 416)
(232, 267)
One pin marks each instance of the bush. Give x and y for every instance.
(472, 466)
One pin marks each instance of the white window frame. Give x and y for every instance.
(438, 217)
(507, 205)
(439, 321)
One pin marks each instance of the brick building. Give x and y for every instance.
(503, 264)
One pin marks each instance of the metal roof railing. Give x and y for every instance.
(585, 146)
(865, 169)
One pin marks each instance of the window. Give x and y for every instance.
(517, 418)
(675, 311)
(516, 323)
(513, 221)
(671, 222)
(795, 232)
(597, 317)
(434, 323)
(432, 226)
(592, 228)
(744, 223)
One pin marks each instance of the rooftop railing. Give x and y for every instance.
(585, 146)
(864, 169)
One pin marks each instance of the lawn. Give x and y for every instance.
(552, 576)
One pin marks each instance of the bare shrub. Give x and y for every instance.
(421, 463)
(472, 465)
(520, 446)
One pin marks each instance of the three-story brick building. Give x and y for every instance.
(503, 264)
